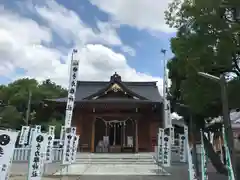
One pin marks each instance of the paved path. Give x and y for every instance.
(113, 167)
(114, 164)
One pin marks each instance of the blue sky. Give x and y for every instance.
(130, 45)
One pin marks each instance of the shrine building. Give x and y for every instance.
(115, 115)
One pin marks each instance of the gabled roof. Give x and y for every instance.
(147, 91)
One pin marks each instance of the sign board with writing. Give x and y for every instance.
(24, 135)
(72, 90)
(38, 128)
(36, 156)
(166, 150)
(160, 144)
(74, 148)
(68, 143)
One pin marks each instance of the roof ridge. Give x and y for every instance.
(124, 82)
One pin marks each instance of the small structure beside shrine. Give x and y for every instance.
(115, 115)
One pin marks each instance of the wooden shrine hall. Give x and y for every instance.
(116, 116)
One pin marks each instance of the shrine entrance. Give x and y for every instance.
(115, 135)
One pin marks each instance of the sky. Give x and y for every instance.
(123, 36)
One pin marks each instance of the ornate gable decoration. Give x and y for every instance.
(115, 88)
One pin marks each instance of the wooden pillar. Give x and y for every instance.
(93, 136)
(124, 134)
(136, 136)
(114, 141)
(106, 129)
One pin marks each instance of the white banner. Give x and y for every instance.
(167, 114)
(74, 148)
(36, 156)
(23, 139)
(72, 90)
(160, 145)
(166, 150)
(62, 134)
(203, 159)
(172, 134)
(38, 128)
(73, 133)
(50, 139)
(183, 148)
(31, 135)
(9, 169)
(51, 130)
(68, 143)
(45, 144)
(166, 103)
(7, 145)
(73, 130)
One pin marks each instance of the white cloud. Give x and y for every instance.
(129, 50)
(68, 25)
(26, 44)
(142, 14)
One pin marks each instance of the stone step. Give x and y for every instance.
(116, 158)
(121, 161)
(94, 162)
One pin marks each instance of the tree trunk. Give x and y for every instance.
(214, 157)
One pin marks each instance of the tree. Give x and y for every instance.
(10, 117)
(58, 123)
(16, 94)
(204, 42)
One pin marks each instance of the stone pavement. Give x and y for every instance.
(22, 168)
(112, 167)
(114, 164)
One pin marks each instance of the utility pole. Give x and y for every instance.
(28, 107)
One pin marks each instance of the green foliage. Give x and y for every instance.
(17, 94)
(10, 117)
(205, 42)
(58, 123)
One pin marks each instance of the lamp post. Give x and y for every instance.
(225, 110)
